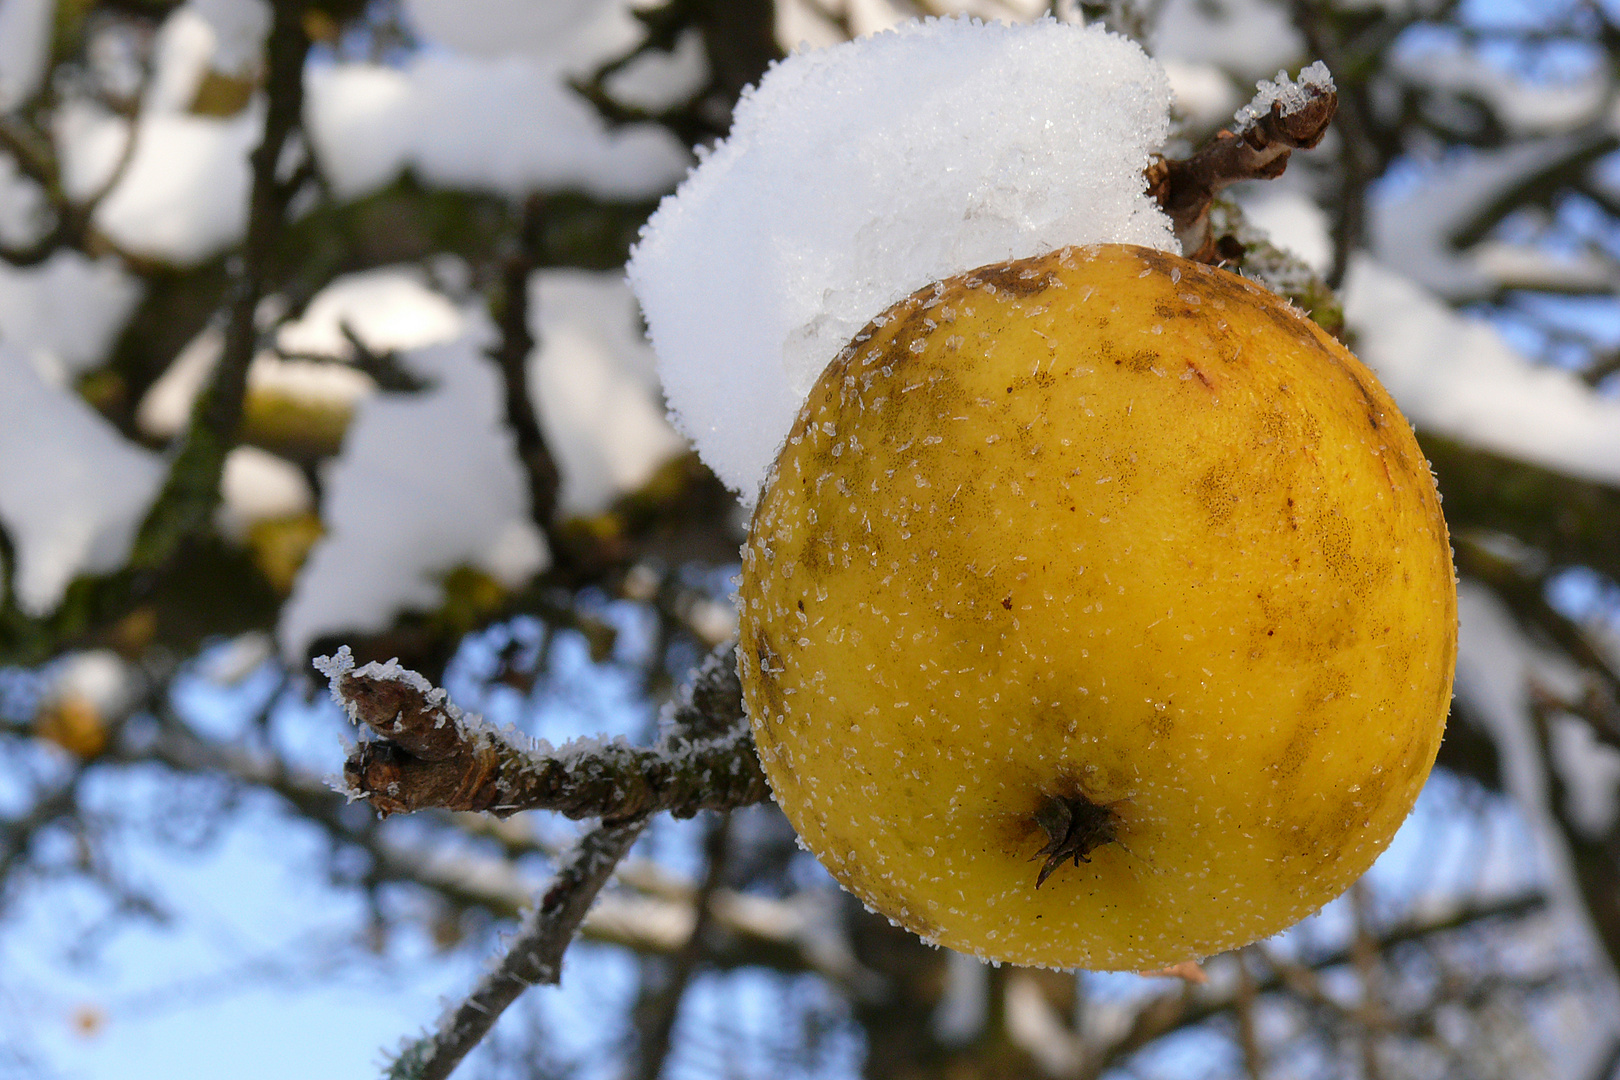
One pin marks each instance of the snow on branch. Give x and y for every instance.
(431, 754)
(1283, 116)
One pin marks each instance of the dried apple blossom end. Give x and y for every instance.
(1075, 827)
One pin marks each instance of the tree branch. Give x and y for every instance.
(511, 355)
(534, 957)
(433, 755)
(191, 490)
(1283, 117)
(435, 726)
(660, 1005)
(1166, 1013)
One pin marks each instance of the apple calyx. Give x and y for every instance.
(1074, 827)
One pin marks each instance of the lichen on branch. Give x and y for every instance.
(428, 753)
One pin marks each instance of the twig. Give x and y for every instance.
(511, 355)
(1591, 858)
(35, 155)
(660, 1008)
(433, 755)
(1526, 595)
(1283, 117)
(1254, 1063)
(534, 957)
(1176, 1011)
(191, 490)
(1364, 952)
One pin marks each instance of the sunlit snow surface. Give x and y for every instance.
(72, 490)
(1457, 376)
(856, 174)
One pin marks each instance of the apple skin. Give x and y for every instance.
(1114, 529)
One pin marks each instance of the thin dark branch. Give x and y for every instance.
(511, 355)
(534, 957)
(1357, 166)
(1594, 859)
(659, 1010)
(1177, 1011)
(432, 755)
(34, 153)
(1259, 151)
(191, 490)
(1526, 595)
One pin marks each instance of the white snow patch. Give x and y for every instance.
(25, 215)
(856, 174)
(1292, 220)
(1249, 38)
(595, 388)
(1282, 91)
(98, 677)
(258, 486)
(25, 39)
(1495, 663)
(183, 195)
(426, 482)
(72, 490)
(965, 1006)
(388, 308)
(165, 408)
(1416, 229)
(69, 307)
(507, 125)
(1523, 106)
(182, 53)
(240, 28)
(1456, 376)
(1591, 773)
(1204, 96)
(229, 662)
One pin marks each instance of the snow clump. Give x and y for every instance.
(855, 175)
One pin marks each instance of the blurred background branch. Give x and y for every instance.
(313, 332)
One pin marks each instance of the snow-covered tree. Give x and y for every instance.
(317, 339)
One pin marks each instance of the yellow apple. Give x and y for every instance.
(1098, 612)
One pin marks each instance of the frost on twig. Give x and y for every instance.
(429, 753)
(1284, 116)
(533, 957)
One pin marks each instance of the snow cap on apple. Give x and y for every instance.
(856, 174)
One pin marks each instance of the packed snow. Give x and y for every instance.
(180, 194)
(1456, 376)
(259, 486)
(66, 311)
(856, 174)
(72, 489)
(1438, 69)
(1415, 225)
(25, 40)
(1495, 666)
(427, 483)
(506, 125)
(1250, 38)
(595, 388)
